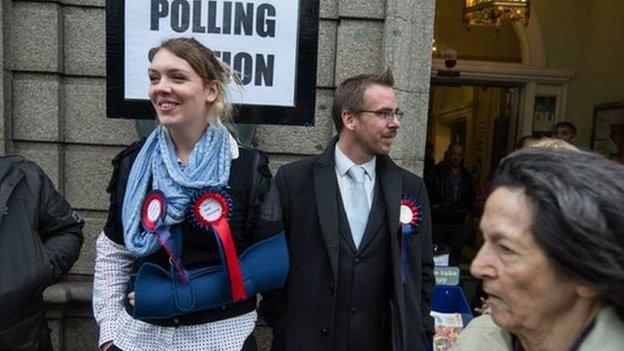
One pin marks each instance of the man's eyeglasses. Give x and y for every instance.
(386, 114)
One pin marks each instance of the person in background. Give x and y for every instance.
(552, 143)
(526, 141)
(40, 239)
(429, 165)
(486, 187)
(553, 258)
(616, 143)
(565, 131)
(360, 278)
(452, 202)
(191, 152)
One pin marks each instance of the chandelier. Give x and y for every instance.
(496, 13)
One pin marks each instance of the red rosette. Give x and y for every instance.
(410, 212)
(154, 210)
(209, 207)
(210, 211)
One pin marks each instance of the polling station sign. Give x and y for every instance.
(272, 44)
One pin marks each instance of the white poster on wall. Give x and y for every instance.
(256, 38)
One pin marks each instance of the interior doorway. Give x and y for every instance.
(482, 117)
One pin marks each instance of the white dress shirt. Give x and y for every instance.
(343, 164)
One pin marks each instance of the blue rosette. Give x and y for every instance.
(410, 217)
(153, 213)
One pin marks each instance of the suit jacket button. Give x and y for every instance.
(356, 260)
(324, 331)
(353, 310)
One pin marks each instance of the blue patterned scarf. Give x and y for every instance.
(207, 165)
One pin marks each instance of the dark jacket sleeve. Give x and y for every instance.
(469, 195)
(122, 164)
(113, 229)
(273, 303)
(60, 228)
(264, 217)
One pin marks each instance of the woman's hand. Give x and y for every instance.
(107, 345)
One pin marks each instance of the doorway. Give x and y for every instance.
(482, 117)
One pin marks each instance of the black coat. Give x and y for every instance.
(445, 207)
(302, 314)
(40, 239)
(248, 185)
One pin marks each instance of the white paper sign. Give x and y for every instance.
(447, 319)
(446, 275)
(256, 38)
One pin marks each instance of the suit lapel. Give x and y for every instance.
(325, 188)
(391, 186)
(375, 218)
(343, 223)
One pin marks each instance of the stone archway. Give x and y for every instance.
(532, 43)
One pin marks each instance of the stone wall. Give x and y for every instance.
(53, 105)
(366, 36)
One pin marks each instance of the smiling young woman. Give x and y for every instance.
(176, 200)
(180, 96)
(187, 89)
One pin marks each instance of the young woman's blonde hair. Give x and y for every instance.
(209, 68)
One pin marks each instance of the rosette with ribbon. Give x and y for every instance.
(210, 212)
(153, 215)
(410, 217)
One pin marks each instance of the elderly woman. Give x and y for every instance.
(553, 258)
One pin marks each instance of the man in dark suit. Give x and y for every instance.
(358, 231)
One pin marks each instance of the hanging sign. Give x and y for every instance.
(272, 45)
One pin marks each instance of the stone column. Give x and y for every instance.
(363, 36)
(33, 63)
(288, 143)
(408, 32)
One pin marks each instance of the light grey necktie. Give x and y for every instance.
(357, 204)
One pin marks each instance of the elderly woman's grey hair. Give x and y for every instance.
(577, 202)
